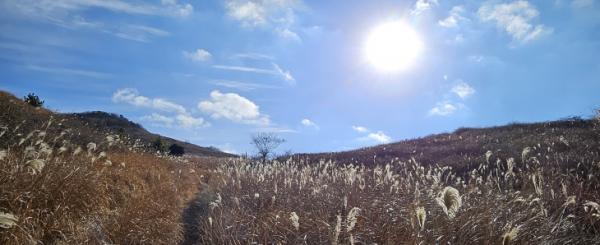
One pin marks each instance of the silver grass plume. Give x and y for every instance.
(295, 220)
(510, 236)
(352, 218)
(450, 201)
(7, 220)
(421, 216)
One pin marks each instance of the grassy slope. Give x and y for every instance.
(62, 191)
(90, 126)
(515, 184)
(469, 145)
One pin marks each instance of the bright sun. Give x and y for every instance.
(393, 46)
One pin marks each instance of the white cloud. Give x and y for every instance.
(516, 19)
(181, 120)
(197, 55)
(188, 121)
(463, 90)
(165, 105)
(288, 34)
(454, 17)
(422, 6)
(247, 12)
(444, 109)
(132, 97)
(280, 15)
(308, 123)
(159, 119)
(360, 129)
(233, 107)
(379, 137)
(252, 13)
(276, 71)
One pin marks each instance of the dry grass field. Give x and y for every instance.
(63, 182)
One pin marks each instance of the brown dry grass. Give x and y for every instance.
(252, 203)
(76, 199)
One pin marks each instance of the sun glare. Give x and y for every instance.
(393, 46)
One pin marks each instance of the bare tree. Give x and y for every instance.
(265, 144)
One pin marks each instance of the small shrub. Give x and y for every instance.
(159, 145)
(33, 100)
(176, 150)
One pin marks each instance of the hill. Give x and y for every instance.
(573, 137)
(90, 126)
(534, 183)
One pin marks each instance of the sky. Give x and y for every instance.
(214, 73)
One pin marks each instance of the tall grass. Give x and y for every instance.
(55, 191)
(539, 199)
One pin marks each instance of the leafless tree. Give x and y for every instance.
(265, 144)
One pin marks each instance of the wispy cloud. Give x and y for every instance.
(285, 74)
(244, 69)
(277, 71)
(582, 3)
(423, 5)
(253, 56)
(462, 90)
(54, 7)
(233, 107)
(309, 123)
(197, 55)
(516, 19)
(70, 14)
(69, 71)
(245, 86)
(286, 33)
(138, 33)
(455, 16)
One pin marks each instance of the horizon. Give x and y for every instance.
(213, 73)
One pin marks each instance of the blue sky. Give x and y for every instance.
(216, 72)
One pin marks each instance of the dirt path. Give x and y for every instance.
(192, 216)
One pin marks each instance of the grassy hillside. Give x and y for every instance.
(572, 138)
(87, 179)
(88, 126)
(84, 179)
(517, 184)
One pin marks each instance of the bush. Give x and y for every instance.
(159, 145)
(33, 100)
(176, 150)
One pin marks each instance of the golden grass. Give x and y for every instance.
(116, 198)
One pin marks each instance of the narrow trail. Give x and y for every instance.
(192, 216)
